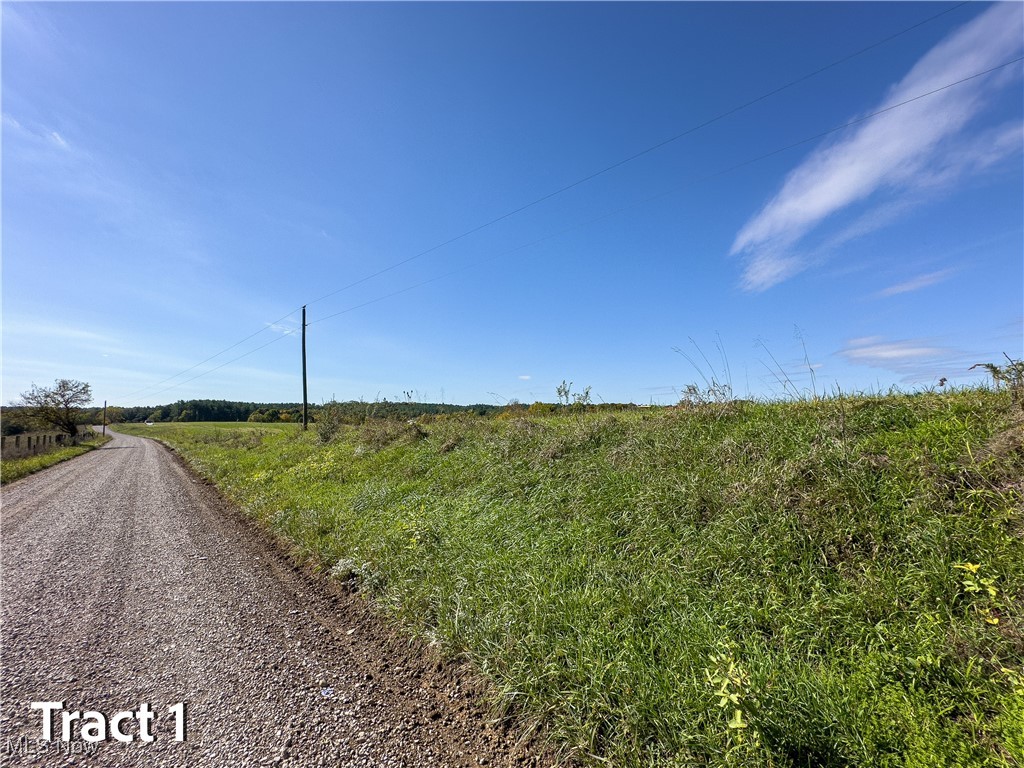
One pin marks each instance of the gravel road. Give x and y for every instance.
(126, 581)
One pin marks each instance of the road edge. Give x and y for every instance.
(437, 672)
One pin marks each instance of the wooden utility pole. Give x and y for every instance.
(304, 397)
(104, 418)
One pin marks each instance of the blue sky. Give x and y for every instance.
(177, 177)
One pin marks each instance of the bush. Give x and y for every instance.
(329, 422)
(378, 434)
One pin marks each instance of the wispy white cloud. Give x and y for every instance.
(285, 329)
(874, 350)
(28, 339)
(59, 140)
(917, 147)
(35, 330)
(43, 162)
(52, 154)
(917, 283)
(870, 221)
(40, 156)
(27, 136)
(30, 31)
(915, 360)
(525, 377)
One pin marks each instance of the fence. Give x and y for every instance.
(30, 444)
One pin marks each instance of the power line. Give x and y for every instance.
(566, 188)
(386, 296)
(696, 180)
(639, 154)
(766, 155)
(292, 333)
(229, 362)
(868, 116)
(609, 214)
(211, 357)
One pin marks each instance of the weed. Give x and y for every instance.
(808, 582)
(717, 385)
(330, 421)
(563, 390)
(981, 591)
(1011, 375)
(377, 434)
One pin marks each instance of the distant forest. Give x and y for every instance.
(225, 410)
(15, 419)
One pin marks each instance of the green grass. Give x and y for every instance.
(828, 583)
(15, 469)
(276, 426)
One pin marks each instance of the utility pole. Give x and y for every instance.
(304, 397)
(104, 418)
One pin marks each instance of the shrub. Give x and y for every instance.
(329, 422)
(378, 434)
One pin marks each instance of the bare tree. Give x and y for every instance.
(58, 406)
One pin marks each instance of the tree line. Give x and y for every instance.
(21, 417)
(63, 407)
(228, 410)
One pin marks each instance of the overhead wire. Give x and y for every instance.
(696, 180)
(637, 155)
(385, 296)
(563, 189)
(266, 327)
(284, 335)
(609, 214)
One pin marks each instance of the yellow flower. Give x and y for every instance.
(737, 720)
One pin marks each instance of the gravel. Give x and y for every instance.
(125, 580)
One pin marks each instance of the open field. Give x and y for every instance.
(143, 429)
(14, 469)
(837, 582)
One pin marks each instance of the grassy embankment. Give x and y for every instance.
(830, 583)
(15, 469)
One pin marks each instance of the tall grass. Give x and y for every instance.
(15, 469)
(837, 582)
